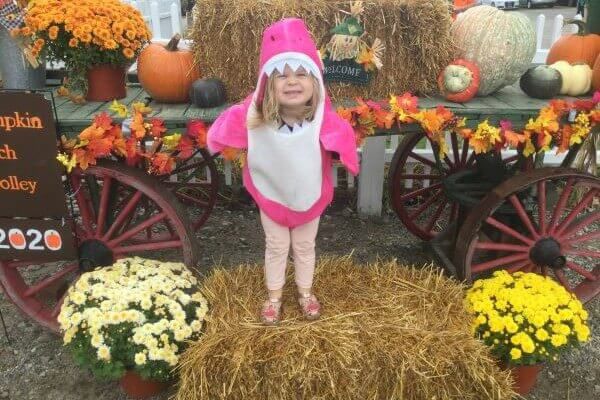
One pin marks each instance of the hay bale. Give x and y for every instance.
(387, 332)
(416, 33)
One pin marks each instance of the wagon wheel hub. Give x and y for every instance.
(94, 253)
(546, 253)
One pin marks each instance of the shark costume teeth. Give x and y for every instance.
(294, 65)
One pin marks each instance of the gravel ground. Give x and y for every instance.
(34, 364)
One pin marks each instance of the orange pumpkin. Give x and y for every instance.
(596, 74)
(579, 47)
(166, 72)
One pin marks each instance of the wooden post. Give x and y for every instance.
(370, 182)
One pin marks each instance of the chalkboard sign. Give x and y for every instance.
(31, 185)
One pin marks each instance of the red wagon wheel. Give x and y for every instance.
(120, 212)
(195, 182)
(549, 224)
(416, 187)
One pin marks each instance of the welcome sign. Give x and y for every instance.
(31, 181)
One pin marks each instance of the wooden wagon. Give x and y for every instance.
(479, 213)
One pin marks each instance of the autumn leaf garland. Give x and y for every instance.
(148, 140)
(104, 138)
(540, 134)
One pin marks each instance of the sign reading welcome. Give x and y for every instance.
(31, 186)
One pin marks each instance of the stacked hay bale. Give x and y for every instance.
(387, 332)
(416, 34)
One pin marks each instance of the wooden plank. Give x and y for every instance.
(205, 114)
(132, 94)
(170, 111)
(432, 102)
(517, 99)
(74, 111)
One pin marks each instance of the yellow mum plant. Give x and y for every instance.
(83, 33)
(526, 318)
(137, 314)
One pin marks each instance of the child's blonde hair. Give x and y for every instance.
(268, 110)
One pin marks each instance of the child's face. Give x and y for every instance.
(293, 89)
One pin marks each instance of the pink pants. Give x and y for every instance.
(278, 239)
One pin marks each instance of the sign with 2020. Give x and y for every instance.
(32, 195)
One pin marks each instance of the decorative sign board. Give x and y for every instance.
(31, 186)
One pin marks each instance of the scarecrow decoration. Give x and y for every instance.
(12, 16)
(347, 57)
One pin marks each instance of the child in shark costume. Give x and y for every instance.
(290, 132)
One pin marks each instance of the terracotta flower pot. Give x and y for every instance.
(524, 377)
(106, 83)
(138, 388)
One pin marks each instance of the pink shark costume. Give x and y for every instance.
(288, 175)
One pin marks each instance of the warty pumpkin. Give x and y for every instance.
(576, 79)
(502, 44)
(167, 72)
(578, 47)
(459, 81)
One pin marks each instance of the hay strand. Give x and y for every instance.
(388, 332)
(415, 33)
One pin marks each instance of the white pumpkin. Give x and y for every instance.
(502, 44)
(576, 79)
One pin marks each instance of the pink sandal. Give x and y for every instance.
(271, 312)
(311, 308)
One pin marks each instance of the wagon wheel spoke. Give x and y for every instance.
(514, 200)
(82, 204)
(158, 245)
(420, 192)
(432, 199)
(422, 159)
(436, 216)
(583, 238)
(137, 229)
(498, 262)
(104, 197)
(571, 216)
(542, 206)
(560, 205)
(126, 212)
(191, 199)
(502, 247)
(191, 166)
(43, 284)
(518, 266)
(507, 230)
(464, 153)
(449, 163)
(456, 155)
(581, 270)
(560, 275)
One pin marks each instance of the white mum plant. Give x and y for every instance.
(137, 315)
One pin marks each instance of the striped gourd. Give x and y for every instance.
(502, 44)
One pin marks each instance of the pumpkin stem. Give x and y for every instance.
(582, 28)
(173, 43)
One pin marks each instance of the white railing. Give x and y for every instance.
(162, 16)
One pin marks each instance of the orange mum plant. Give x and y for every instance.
(561, 124)
(144, 143)
(82, 33)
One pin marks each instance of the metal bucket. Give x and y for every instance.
(15, 70)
